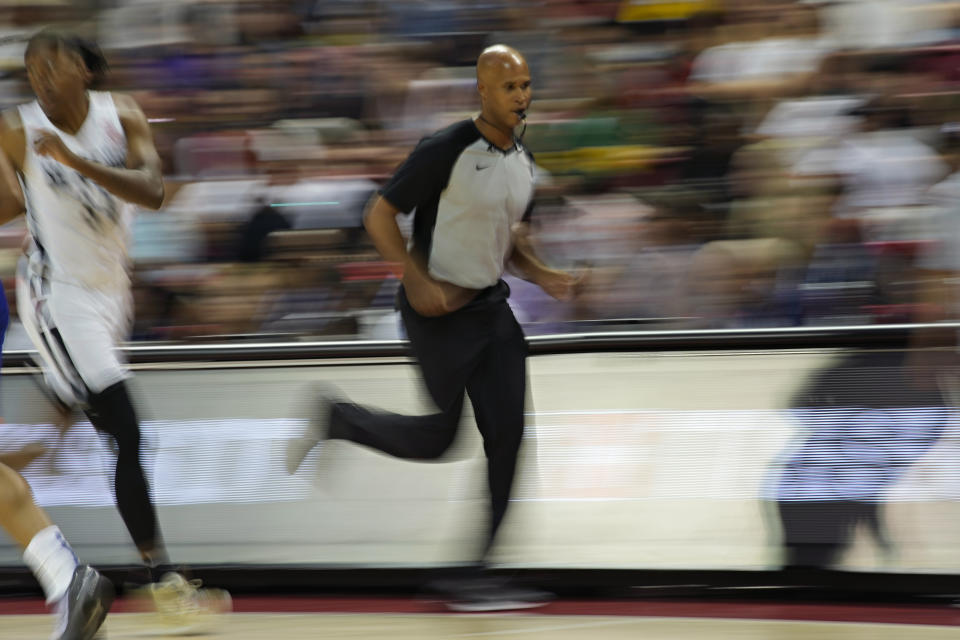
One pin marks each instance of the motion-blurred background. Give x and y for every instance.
(706, 163)
(735, 163)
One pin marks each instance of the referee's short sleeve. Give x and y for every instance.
(417, 177)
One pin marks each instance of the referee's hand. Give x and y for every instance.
(426, 297)
(559, 285)
(430, 297)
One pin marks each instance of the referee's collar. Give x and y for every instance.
(517, 145)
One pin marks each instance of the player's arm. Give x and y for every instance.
(140, 181)
(525, 263)
(12, 146)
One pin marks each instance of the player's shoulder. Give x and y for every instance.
(129, 113)
(13, 137)
(124, 101)
(10, 120)
(12, 132)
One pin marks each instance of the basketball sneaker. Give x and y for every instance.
(317, 430)
(84, 607)
(180, 607)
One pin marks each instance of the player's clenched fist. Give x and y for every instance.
(50, 144)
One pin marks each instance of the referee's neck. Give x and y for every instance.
(500, 137)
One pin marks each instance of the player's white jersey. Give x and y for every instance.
(80, 230)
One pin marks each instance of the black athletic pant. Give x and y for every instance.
(479, 349)
(112, 412)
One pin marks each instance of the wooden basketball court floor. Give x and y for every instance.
(398, 619)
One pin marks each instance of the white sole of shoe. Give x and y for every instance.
(479, 607)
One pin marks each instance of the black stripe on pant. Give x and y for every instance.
(479, 349)
(60, 360)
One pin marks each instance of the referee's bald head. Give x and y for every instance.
(498, 59)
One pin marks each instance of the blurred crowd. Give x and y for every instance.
(706, 163)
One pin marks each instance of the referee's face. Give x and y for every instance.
(506, 93)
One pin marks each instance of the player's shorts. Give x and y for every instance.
(75, 330)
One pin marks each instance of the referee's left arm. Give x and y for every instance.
(525, 263)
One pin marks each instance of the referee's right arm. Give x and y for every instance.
(425, 295)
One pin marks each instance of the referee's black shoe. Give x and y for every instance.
(478, 595)
(324, 396)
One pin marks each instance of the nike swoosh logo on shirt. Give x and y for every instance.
(479, 168)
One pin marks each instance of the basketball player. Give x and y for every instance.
(82, 157)
(79, 595)
(471, 185)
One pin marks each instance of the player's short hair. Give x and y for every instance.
(92, 57)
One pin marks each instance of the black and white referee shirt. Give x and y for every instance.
(468, 193)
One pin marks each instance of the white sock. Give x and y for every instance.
(52, 561)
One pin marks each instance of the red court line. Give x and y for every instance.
(930, 615)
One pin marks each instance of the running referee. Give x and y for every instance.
(471, 187)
